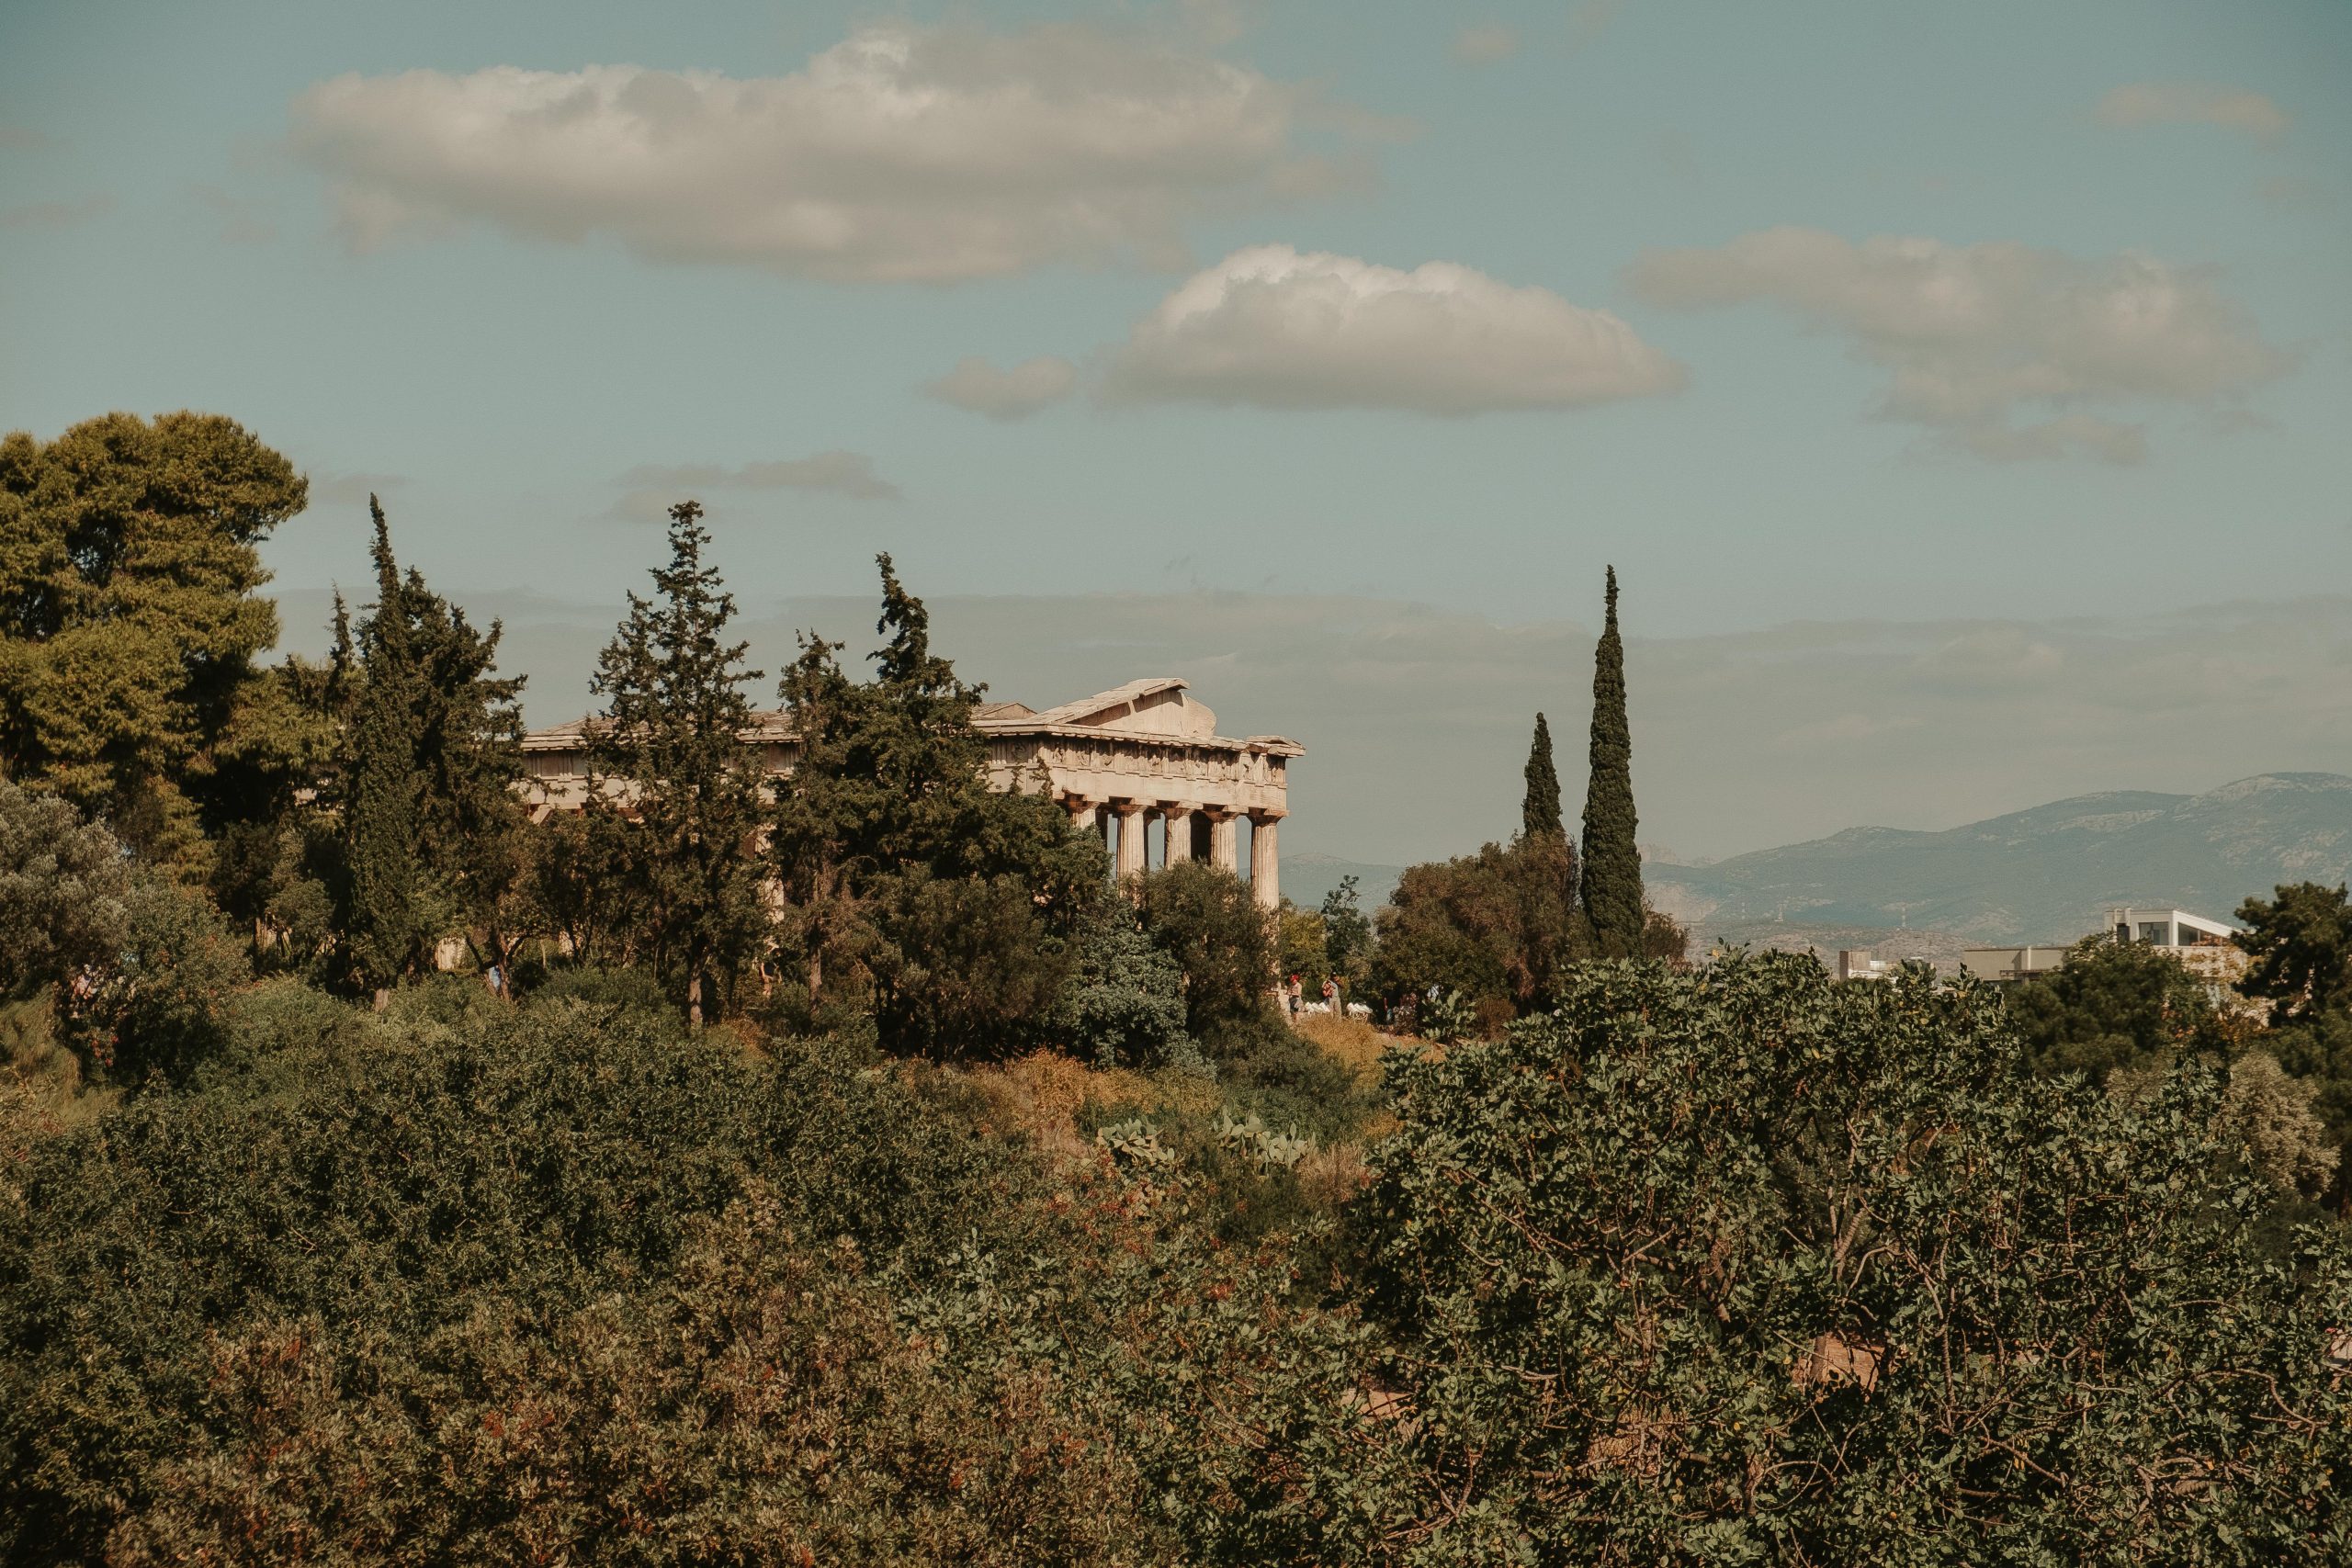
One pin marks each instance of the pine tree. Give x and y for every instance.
(1540, 811)
(379, 817)
(1612, 861)
(675, 717)
(433, 746)
(889, 818)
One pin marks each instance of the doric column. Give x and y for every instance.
(1265, 858)
(1130, 816)
(1225, 839)
(1179, 817)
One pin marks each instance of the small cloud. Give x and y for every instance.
(1276, 328)
(56, 214)
(351, 490)
(2194, 103)
(243, 222)
(1996, 347)
(2290, 194)
(2068, 436)
(24, 139)
(1486, 44)
(980, 386)
(650, 489)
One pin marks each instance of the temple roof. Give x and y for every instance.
(1157, 708)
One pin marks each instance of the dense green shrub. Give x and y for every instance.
(465, 1282)
(1209, 922)
(962, 967)
(1498, 925)
(2114, 1005)
(1747, 1266)
(1123, 1004)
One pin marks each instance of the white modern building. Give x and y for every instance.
(2199, 946)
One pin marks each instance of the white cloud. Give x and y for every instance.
(1485, 44)
(650, 489)
(1279, 329)
(2194, 103)
(980, 386)
(1979, 337)
(902, 153)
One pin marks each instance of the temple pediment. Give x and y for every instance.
(1160, 705)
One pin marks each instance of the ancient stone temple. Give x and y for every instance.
(1121, 761)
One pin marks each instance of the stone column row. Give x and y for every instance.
(1193, 832)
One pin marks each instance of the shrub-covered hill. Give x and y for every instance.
(1736, 1265)
(470, 1284)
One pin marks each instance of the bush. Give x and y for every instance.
(965, 967)
(1747, 1266)
(64, 891)
(468, 1283)
(1207, 919)
(1498, 925)
(1124, 1003)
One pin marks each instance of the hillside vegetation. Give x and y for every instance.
(840, 1166)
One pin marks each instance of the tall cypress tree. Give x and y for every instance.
(379, 820)
(1612, 861)
(1540, 811)
(675, 715)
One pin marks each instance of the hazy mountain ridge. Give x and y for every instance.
(2041, 874)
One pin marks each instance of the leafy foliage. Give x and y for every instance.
(1747, 1266)
(63, 886)
(1347, 934)
(1496, 926)
(2302, 946)
(459, 1283)
(129, 620)
(2114, 1005)
(1207, 920)
(912, 886)
(1124, 1002)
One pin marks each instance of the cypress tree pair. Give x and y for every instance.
(1611, 882)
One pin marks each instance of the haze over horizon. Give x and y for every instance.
(1984, 457)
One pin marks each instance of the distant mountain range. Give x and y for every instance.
(2044, 874)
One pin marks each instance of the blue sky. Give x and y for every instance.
(341, 225)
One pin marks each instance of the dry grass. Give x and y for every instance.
(1041, 1094)
(1352, 1041)
(41, 1091)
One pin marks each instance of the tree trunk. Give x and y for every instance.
(694, 1000)
(383, 998)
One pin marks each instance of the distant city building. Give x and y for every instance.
(2010, 965)
(1863, 964)
(2199, 946)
